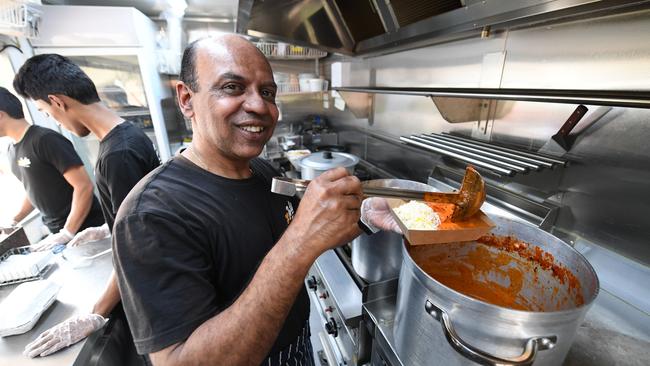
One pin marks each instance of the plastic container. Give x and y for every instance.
(303, 80)
(317, 85)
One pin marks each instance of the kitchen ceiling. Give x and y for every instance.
(219, 9)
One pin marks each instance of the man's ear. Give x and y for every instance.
(56, 101)
(184, 97)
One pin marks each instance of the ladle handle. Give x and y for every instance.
(533, 345)
(408, 194)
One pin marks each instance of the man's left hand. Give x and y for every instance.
(52, 240)
(375, 212)
(89, 235)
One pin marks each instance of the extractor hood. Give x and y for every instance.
(365, 27)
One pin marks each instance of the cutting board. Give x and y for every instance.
(447, 232)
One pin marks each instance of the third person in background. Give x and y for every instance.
(52, 174)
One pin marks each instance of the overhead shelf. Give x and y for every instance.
(283, 51)
(619, 98)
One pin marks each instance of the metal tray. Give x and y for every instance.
(24, 250)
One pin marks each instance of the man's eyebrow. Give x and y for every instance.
(231, 76)
(271, 84)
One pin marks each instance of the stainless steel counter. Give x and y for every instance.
(80, 288)
(595, 344)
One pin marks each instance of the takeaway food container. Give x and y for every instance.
(378, 257)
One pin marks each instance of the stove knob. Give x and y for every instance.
(329, 309)
(324, 295)
(311, 283)
(331, 327)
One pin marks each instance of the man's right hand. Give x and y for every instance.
(329, 211)
(52, 240)
(64, 334)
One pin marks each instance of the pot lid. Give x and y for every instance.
(327, 160)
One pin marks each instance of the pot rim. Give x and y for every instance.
(504, 311)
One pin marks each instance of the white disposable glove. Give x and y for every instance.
(375, 212)
(7, 223)
(52, 240)
(64, 334)
(90, 234)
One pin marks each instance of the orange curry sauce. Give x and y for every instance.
(519, 265)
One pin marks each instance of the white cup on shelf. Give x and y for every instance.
(316, 85)
(303, 81)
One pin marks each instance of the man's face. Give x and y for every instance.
(57, 111)
(234, 107)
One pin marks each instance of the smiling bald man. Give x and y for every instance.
(210, 262)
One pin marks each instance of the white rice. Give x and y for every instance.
(416, 215)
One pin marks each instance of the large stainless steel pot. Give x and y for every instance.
(378, 257)
(313, 165)
(435, 325)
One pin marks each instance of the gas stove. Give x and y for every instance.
(346, 306)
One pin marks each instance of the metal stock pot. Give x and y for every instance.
(378, 257)
(313, 165)
(436, 325)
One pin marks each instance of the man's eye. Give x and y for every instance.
(232, 88)
(268, 93)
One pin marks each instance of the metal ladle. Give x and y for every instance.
(467, 201)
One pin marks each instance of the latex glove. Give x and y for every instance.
(90, 234)
(52, 240)
(375, 212)
(64, 334)
(6, 223)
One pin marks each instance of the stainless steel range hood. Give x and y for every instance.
(382, 26)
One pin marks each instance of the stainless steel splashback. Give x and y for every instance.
(604, 194)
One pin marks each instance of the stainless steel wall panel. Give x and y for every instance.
(607, 53)
(609, 159)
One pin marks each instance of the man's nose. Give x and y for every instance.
(254, 103)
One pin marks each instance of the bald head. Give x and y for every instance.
(224, 47)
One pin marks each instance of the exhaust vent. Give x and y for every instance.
(410, 11)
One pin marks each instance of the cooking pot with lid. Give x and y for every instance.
(318, 163)
(437, 325)
(378, 257)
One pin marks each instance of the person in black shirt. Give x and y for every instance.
(52, 173)
(61, 89)
(211, 263)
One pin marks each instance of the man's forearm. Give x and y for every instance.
(109, 298)
(82, 199)
(265, 303)
(25, 209)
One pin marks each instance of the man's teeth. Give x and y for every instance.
(253, 128)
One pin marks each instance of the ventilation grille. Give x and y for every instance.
(410, 11)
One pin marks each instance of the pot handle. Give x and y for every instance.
(526, 358)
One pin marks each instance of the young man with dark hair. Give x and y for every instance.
(62, 90)
(52, 173)
(211, 263)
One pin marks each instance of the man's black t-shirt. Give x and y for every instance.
(39, 161)
(187, 242)
(125, 156)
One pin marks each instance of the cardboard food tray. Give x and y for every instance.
(448, 232)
